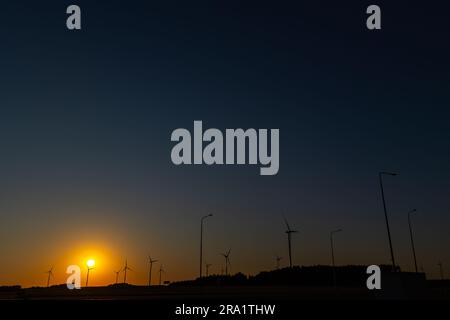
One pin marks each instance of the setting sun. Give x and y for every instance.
(90, 263)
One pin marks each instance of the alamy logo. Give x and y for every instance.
(374, 20)
(74, 280)
(73, 21)
(235, 151)
(374, 280)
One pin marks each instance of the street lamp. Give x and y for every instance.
(201, 241)
(412, 239)
(380, 175)
(332, 254)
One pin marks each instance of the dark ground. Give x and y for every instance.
(288, 284)
(215, 293)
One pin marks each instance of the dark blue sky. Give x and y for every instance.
(86, 118)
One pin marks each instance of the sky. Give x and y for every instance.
(86, 118)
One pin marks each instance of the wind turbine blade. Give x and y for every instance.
(287, 224)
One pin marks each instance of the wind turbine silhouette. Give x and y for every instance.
(227, 260)
(151, 261)
(289, 232)
(278, 259)
(207, 268)
(117, 275)
(125, 271)
(161, 270)
(50, 274)
(441, 269)
(89, 268)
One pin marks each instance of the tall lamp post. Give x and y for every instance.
(332, 254)
(412, 238)
(380, 175)
(201, 242)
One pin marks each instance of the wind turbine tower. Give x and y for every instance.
(289, 233)
(278, 259)
(50, 274)
(227, 260)
(151, 261)
(161, 270)
(208, 265)
(125, 269)
(441, 270)
(117, 275)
